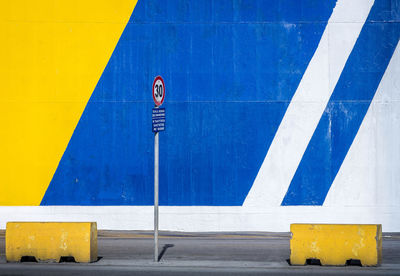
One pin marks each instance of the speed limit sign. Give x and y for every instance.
(158, 124)
(158, 90)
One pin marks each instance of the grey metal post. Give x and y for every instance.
(156, 197)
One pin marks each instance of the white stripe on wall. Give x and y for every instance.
(370, 174)
(308, 103)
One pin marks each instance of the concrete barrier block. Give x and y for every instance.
(49, 241)
(335, 244)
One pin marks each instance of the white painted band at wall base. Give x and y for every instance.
(205, 219)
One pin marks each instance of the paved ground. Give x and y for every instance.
(131, 253)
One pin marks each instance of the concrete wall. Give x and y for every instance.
(277, 112)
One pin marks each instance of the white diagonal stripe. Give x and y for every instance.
(308, 103)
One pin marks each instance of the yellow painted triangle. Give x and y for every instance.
(52, 55)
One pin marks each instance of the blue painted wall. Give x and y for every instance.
(230, 70)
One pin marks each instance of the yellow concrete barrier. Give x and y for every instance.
(334, 244)
(49, 241)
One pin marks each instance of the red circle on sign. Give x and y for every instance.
(158, 90)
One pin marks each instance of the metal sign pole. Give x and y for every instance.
(158, 124)
(156, 197)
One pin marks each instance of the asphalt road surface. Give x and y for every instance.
(131, 253)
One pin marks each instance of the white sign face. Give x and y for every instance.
(158, 90)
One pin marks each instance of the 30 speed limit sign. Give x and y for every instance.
(158, 90)
(158, 124)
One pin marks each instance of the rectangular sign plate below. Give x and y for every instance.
(158, 117)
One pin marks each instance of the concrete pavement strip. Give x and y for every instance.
(201, 253)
